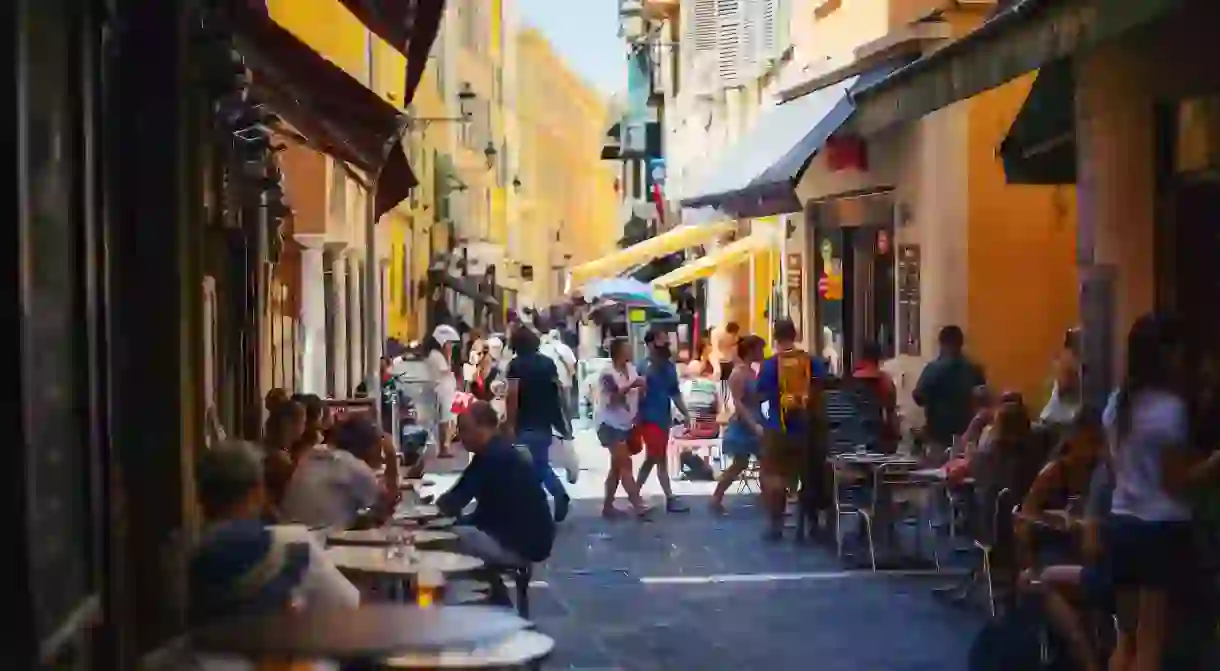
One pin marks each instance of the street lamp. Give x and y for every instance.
(516, 183)
(489, 152)
(465, 97)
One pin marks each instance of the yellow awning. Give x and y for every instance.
(666, 243)
(731, 255)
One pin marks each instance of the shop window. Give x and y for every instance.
(1197, 142)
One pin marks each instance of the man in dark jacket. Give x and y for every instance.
(512, 524)
(945, 389)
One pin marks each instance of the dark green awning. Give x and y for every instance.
(1041, 144)
(1020, 38)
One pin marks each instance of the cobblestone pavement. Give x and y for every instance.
(693, 591)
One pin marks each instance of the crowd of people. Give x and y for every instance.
(1132, 475)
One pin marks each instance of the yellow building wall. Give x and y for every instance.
(570, 191)
(327, 27)
(1022, 280)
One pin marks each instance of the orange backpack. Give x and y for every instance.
(796, 389)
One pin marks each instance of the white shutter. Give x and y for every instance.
(700, 48)
(729, 26)
(769, 43)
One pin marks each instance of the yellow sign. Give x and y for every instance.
(637, 316)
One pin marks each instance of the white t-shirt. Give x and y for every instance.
(1159, 422)
(329, 488)
(564, 358)
(611, 412)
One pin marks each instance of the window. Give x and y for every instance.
(337, 204)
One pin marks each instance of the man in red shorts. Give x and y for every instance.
(656, 413)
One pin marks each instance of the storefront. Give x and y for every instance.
(854, 266)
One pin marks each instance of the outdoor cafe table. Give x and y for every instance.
(899, 465)
(371, 632)
(518, 649)
(416, 512)
(385, 537)
(377, 561)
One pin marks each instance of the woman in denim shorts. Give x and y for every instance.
(618, 400)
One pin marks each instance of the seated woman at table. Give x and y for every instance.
(512, 524)
(1068, 589)
(1063, 480)
(283, 429)
(241, 566)
(317, 423)
(336, 486)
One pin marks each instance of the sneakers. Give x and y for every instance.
(674, 505)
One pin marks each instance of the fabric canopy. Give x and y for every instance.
(466, 286)
(1041, 144)
(337, 114)
(731, 255)
(410, 26)
(1019, 38)
(666, 243)
(758, 174)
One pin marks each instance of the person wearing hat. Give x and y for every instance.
(243, 567)
(336, 485)
(439, 348)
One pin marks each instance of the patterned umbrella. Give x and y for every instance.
(626, 291)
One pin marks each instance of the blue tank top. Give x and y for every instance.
(737, 428)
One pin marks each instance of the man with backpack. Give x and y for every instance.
(794, 446)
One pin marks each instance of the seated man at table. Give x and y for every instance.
(241, 566)
(512, 523)
(336, 486)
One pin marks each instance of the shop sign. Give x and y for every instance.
(795, 289)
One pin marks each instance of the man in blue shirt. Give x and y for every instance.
(512, 524)
(656, 414)
(792, 447)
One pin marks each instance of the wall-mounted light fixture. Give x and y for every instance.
(489, 152)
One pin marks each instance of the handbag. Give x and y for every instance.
(563, 455)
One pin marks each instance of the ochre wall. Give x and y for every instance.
(1021, 249)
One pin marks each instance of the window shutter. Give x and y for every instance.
(728, 42)
(700, 24)
(770, 47)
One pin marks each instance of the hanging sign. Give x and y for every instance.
(637, 316)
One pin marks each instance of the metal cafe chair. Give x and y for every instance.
(849, 500)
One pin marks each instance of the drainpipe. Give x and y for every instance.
(372, 348)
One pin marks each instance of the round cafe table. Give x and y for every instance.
(373, 631)
(415, 483)
(517, 649)
(376, 561)
(420, 512)
(383, 537)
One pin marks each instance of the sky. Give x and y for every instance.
(587, 38)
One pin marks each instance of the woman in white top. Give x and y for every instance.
(440, 356)
(1150, 539)
(618, 397)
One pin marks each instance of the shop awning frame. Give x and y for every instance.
(669, 242)
(758, 174)
(336, 113)
(730, 255)
(410, 26)
(1018, 39)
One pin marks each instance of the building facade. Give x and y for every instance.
(568, 200)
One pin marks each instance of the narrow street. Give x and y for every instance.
(692, 591)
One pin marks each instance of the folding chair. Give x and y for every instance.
(750, 481)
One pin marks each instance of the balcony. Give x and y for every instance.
(661, 10)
